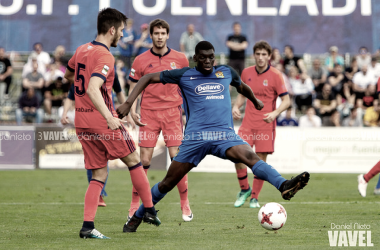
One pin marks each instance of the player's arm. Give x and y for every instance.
(144, 81)
(93, 92)
(246, 91)
(285, 103)
(135, 116)
(240, 100)
(69, 75)
(66, 106)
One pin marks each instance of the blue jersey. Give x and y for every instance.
(206, 98)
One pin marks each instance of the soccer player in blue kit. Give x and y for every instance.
(209, 127)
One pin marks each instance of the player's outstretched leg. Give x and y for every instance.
(288, 188)
(176, 172)
(364, 179)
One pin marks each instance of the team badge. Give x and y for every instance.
(105, 70)
(265, 83)
(133, 72)
(172, 65)
(219, 74)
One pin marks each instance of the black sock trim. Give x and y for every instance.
(97, 181)
(242, 178)
(135, 166)
(88, 225)
(146, 167)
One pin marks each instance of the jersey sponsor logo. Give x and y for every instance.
(209, 88)
(172, 65)
(215, 97)
(265, 82)
(105, 70)
(133, 72)
(84, 110)
(219, 74)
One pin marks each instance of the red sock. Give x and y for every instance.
(141, 183)
(257, 185)
(374, 171)
(182, 189)
(91, 199)
(243, 178)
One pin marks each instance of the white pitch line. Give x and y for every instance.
(205, 203)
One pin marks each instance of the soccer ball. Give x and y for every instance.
(272, 216)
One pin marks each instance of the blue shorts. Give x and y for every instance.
(193, 151)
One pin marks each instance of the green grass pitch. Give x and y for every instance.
(43, 209)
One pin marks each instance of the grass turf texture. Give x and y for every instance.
(43, 209)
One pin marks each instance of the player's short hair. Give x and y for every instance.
(109, 17)
(262, 45)
(203, 45)
(159, 23)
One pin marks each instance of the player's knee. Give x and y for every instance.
(251, 158)
(145, 161)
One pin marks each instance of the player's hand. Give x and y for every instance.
(270, 117)
(136, 118)
(129, 121)
(236, 113)
(123, 110)
(114, 123)
(259, 105)
(65, 120)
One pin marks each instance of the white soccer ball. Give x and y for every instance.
(272, 216)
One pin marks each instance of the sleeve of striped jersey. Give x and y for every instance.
(235, 81)
(280, 86)
(116, 83)
(71, 93)
(172, 76)
(136, 73)
(103, 65)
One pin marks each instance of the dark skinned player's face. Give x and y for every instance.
(205, 61)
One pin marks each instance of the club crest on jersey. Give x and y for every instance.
(133, 72)
(105, 70)
(265, 82)
(219, 74)
(172, 65)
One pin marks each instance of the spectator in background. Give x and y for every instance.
(276, 58)
(43, 58)
(318, 75)
(361, 81)
(354, 120)
(52, 73)
(122, 74)
(371, 117)
(34, 80)
(188, 40)
(143, 41)
(55, 94)
(334, 120)
(126, 44)
(237, 43)
(290, 60)
(288, 120)
(6, 71)
(28, 67)
(280, 67)
(333, 59)
(59, 58)
(364, 57)
(350, 71)
(29, 107)
(370, 97)
(337, 79)
(302, 87)
(310, 120)
(325, 103)
(374, 67)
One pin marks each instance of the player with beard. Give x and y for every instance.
(100, 132)
(160, 107)
(206, 99)
(259, 126)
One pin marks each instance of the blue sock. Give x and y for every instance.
(156, 197)
(266, 172)
(89, 177)
(378, 183)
